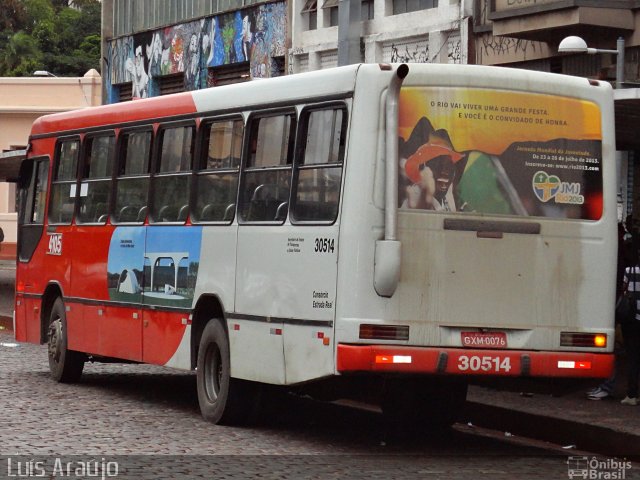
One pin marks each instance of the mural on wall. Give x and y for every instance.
(256, 35)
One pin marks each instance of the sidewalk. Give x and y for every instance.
(570, 420)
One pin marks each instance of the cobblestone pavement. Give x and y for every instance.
(146, 419)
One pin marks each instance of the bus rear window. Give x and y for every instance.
(500, 152)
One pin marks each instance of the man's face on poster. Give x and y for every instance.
(443, 173)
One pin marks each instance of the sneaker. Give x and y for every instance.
(630, 401)
(598, 394)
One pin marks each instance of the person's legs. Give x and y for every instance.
(631, 336)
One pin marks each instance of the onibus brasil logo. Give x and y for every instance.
(548, 187)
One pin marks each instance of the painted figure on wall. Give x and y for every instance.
(140, 79)
(191, 61)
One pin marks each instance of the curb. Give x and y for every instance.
(581, 436)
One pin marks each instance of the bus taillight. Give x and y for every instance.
(574, 339)
(384, 332)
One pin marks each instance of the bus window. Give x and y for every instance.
(264, 196)
(34, 176)
(36, 195)
(319, 165)
(171, 183)
(95, 186)
(63, 186)
(217, 180)
(133, 177)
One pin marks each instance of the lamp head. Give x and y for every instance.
(43, 73)
(573, 45)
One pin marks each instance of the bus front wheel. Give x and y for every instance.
(65, 365)
(223, 400)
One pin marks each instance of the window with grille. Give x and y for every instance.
(310, 9)
(228, 74)
(172, 84)
(405, 6)
(334, 16)
(366, 10)
(125, 92)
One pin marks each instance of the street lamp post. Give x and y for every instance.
(578, 45)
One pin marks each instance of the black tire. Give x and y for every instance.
(417, 405)
(65, 365)
(223, 400)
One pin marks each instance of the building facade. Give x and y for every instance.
(23, 100)
(422, 31)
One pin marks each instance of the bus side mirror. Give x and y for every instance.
(386, 269)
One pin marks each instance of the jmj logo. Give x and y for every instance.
(549, 187)
(55, 244)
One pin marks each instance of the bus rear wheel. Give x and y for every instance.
(65, 365)
(223, 400)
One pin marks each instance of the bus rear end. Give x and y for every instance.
(506, 233)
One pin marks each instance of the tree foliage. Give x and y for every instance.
(49, 35)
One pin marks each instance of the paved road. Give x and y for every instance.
(146, 419)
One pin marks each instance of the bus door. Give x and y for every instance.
(287, 253)
(34, 175)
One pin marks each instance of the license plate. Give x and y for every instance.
(484, 340)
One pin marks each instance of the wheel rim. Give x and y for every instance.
(212, 372)
(55, 340)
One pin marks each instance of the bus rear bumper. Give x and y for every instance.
(462, 361)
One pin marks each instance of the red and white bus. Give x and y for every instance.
(400, 228)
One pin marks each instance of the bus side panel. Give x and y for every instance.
(311, 259)
(162, 333)
(265, 293)
(171, 268)
(256, 350)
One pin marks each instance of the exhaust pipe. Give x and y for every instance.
(388, 251)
